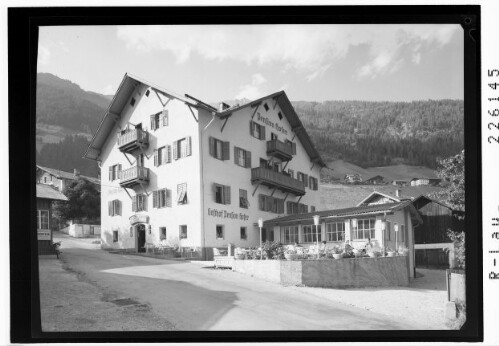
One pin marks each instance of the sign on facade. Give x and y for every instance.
(43, 234)
(137, 218)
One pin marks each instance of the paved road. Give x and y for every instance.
(192, 296)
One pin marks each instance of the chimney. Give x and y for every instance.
(397, 193)
(223, 106)
(76, 172)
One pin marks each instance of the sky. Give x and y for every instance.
(220, 62)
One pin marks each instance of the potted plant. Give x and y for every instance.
(357, 252)
(337, 252)
(403, 250)
(390, 252)
(290, 254)
(239, 253)
(373, 252)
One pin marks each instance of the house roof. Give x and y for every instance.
(413, 199)
(289, 112)
(348, 212)
(48, 192)
(67, 175)
(376, 176)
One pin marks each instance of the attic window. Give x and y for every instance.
(266, 106)
(132, 102)
(280, 115)
(147, 92)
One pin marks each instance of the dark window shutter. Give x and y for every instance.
(268, 203)
(305, 179)
(153, 125)
(248, 159)
(111, 173)
(155, 157)
(168, 153)
(119, 172)
(226, 194)
(155, 199)
(212, 146)
(293, 148)
(262, 132)
(165, 117)
(289, 207)
(236, 154)
(252, 132)
(134, 203)
(261, 202)
(110, 208)
(226, 151)
(168, 198)
(175, 150)
(281, 206)
(189, 145)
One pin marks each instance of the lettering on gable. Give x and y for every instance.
(224, 214)
(269, 123)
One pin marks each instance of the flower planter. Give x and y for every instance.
(240, 256)
(291, 256)
(390, 254)
(337, 255)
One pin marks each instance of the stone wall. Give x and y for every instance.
(347, 272)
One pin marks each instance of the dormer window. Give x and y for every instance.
(266, 106)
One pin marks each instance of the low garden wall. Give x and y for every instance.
(342, 273)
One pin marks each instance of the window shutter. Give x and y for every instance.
(110, 208)
(305, 179)
(175, 150)
(155, 199)
(226, 151)
(111, 173)
(252, 132)
(236, 154)
(119, 172)
(293, 148)
(289, 207)
(153, 125)
(165, 117)
(168, 154)
(134, 203)
(189, 145)
(226, 194)
(168, 198)
(261, 202)
(248, 159)
(281, 206)
(262, 132)
(155, 157)
(212, 146)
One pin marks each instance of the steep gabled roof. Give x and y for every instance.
(348, 213)
(48, 192)
(67, 175)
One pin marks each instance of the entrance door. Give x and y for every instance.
(141, 238)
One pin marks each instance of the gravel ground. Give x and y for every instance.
(69, 302)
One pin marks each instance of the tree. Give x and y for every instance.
(451, 170)
(83, 202)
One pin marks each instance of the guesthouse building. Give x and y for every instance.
(177, 170)
(60, 179)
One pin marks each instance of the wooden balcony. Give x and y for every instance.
(279, 149)
(283, 182)
(133, 139)
(134, 176)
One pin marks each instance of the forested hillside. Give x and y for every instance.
(371, 134)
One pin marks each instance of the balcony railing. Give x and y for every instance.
(133, 139)
(133, 176)
(283, 182)
(279, 149)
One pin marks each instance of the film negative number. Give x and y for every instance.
(493, 112)
(491, 73)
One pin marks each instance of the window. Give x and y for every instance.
(162, 233)
(161, 198)
(271, 204)
(273, 136)
(132, 102)
(302, 208)
(114, 172)
(222, 194)
(182, 148)
(243, 199)
(219, 149)
(220, 232)
(162, 155)
(159, 119)
(388, 230)
(115, 236)
(43, 219)
(292, 207)
(44, 179)
(335, 231)
(300, 176)
(266, 106)
(257, 130)
(310, 234)
(182, 193)
(264, 163)
(365, 229)
(291, 173)
(242, 157)
(401, 234)
(312, 208)
(242, 231)
(279, 115)
(147, 92)
(114, 207)
(313, 183)
(182, 232)
(290, 234)
(139, 203)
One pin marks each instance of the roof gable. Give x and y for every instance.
(67, 175)
(48, 192)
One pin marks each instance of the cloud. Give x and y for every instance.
(252, 91)
(311, 50)
(43, 55)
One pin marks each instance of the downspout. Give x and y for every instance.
(201, 177)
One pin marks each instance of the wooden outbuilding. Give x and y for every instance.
(45, 195)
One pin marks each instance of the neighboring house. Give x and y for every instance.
(432, 245)
(375, 223)
(400, 182)
(425, 181)
(352, 178)
(45, 195)
(376, 180)
(187, 170)
(60, 179)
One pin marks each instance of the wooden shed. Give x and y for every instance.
(45, 195)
